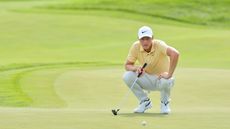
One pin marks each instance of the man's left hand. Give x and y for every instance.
(164, 75)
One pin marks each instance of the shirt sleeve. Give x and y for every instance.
(163, 47)
(132, 56)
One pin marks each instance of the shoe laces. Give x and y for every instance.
(165, 103)
(146, 100)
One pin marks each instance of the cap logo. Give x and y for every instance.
(143, 32)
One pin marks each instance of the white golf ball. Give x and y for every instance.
(143, 123)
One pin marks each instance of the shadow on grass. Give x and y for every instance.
(142, 115)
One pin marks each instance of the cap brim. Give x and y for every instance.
(140, 37)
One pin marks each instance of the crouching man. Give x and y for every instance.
(161, 62)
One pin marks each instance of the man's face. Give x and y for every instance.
(146, 42)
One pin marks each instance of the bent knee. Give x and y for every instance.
(129, 76)
(166, 83)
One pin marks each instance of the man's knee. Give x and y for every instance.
(129, 76)
(166, 83)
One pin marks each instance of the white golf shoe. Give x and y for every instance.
(144, 105)
(165, 109)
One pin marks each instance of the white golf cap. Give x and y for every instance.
(145, 31)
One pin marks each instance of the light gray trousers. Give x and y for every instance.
(150, 83)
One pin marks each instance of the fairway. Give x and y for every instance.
(61, 66)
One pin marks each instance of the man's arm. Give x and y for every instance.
(129, 66)
(173, 56)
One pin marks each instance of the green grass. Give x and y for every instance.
(47, 37)
(202, 12)
(199, 102)
(62, 63)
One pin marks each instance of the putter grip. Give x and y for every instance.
(142, 69)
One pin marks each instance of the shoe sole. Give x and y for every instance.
(149, 105)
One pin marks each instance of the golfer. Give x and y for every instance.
(161, 62)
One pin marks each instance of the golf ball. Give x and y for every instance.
(143, 123)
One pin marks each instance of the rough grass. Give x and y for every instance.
(202, 12)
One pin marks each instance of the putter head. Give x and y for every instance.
(114, 111)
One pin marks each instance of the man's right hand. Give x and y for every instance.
(140, 70)
(129, 66)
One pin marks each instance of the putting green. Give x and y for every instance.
(90, 93)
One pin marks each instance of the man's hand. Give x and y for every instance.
(164, 75)
(140, 70)
(129, 66)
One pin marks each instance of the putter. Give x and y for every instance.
(115, 111)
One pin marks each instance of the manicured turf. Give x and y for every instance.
(196, 102)
(63, 69)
